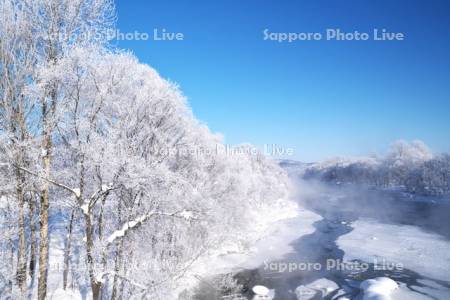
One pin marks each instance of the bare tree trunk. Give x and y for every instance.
(96, 286)
(96, 290)
(117, 266)
(115, 294)
(21, 274)
(68, 250)
(100, 219)
(18, 129)
(11, 252)
(100, 232)
(117, 261)
(44, 238)
(32, 211)
(47, 147)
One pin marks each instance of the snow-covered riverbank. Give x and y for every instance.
(274, 242)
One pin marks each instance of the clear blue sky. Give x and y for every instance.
(322, 98)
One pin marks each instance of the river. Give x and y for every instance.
(317, 256)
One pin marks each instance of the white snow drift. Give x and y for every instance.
(378, 289)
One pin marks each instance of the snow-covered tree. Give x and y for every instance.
(37, 33)
(137, 166)
(411, 166)
(113, 152)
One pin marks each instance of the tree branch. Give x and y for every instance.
(139, 221)
(67, 188)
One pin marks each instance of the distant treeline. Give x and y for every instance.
(409, 166)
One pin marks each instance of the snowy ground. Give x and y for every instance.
(276, 243)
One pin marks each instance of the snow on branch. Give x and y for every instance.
(139, 221)
(92, 200)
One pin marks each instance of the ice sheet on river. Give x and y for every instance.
(425, 253)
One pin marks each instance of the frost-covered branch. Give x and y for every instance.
(139, 221)
(90, 202)
(75, 191)
(101, 278)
